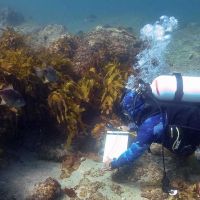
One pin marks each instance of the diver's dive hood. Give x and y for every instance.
(131, 103)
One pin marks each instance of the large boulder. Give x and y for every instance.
(50, 189)
(47, 35)
(103, 45)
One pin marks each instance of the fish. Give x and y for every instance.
(47, 74)
(11, 97)
(90, 18)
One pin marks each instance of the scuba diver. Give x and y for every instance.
(173, 124)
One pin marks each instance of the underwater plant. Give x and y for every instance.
(65, 105)
(15, 56)
(72, 98)
(88, 83)
(113, 83)
(99, 89)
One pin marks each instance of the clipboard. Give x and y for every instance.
(116, 143)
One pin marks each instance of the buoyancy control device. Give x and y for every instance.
(176, 90)
(177, 98)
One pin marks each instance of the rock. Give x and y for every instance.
(97, 196)
(66, 45)
(117, 189)
(90, 190)
(56, 154)
(70, 164)
(47, 35)
(152, 193)
(10, 17)
(70, 192)
(50, 189)
(28, 28)
(103, 45)
(156, 149)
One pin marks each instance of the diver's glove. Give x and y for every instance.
(107, 165)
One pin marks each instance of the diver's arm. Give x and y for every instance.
(147, 132)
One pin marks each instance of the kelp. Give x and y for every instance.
(103, 90)
(64, 104)
(113, 83)
(19, 59)
(71, 96)
(17, 62)
(88, 84)
(15, 55)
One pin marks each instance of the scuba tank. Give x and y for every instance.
(176, 87)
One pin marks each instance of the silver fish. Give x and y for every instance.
(90, 18)
(48, 74)
(11, 98)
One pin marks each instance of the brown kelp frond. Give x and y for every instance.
(88, 84)
(113, 83)
(65, 105)
(73, 98)
(17, 62)
(15, 56)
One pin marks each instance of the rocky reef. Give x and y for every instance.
(50, 189)
(68, 96)
(103, 45)
(65, 76)
(47, 35)
(71, 84)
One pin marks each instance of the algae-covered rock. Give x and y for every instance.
(76, 95)
(56, 154)
(47, 35)
(103, 45)
(65, 45)
(90, 190)
(152, 193)
(50, 189)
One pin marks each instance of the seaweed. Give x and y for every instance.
(64, 104)
(88, 84)
(70, 98)
(15, 55)
(113, 83)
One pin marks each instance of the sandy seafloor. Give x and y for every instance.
(19, 177)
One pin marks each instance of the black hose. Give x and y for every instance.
(165, 181)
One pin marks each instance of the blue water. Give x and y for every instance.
(133, 13)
